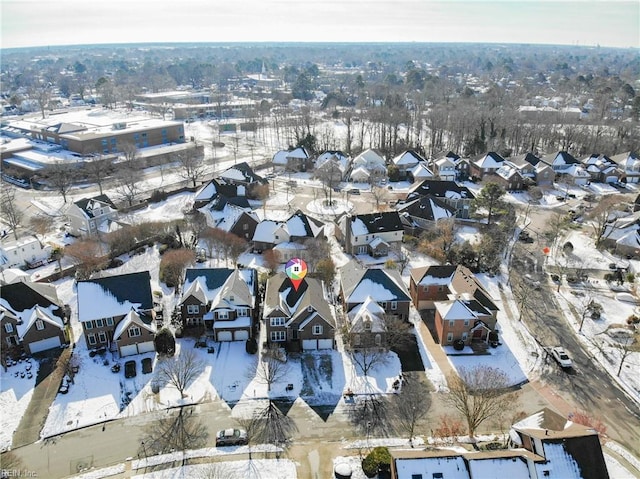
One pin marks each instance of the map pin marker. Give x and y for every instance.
(296, 270)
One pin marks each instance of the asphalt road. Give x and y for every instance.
(587, 386)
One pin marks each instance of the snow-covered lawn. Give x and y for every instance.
(15, 394)
(256, 468)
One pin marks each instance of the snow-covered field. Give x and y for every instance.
(16, 390)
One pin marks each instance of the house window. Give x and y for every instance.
(367, 325)
(464, 336)
(245, 227)
(394, 305)
(92, 339)
(416, 476)
(451, 323)
(102, 337)
(440, 288)
(277, 321)
(449, 337)
(378, 340)
(310, 309)
(383, 305)
(88, 325)
(193, 309)
(317, 329)
(466, 322)
(134, 332)
(223, 314)
(99, 323)
(8, 327)
(356, 339)
(243, 312)
(278, 336)
(39, 325)
(109, 321)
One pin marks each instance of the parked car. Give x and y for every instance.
(354, 191)
(147, 365)
(561, 357)
(64, 387)
(231, 437)
(130, 369)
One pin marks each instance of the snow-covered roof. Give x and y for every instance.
(407, 158)
(450, 467)
(421, 171)
(132, 318)
(453, 310)
(266, 232)
(370, 311)
(491, 160)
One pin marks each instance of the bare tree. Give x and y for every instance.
(625, 348)
(370, 348)
(127, 185)
(603, 219)
(370, 414)
(42, 94)
(270, 425)
(440, 243)
(60, 176)
(192, 164)
(411, 406)
(479, 393)
(9, 209)
(88, 256)
(379, 194)
(41, 224)
(176, 432)
(330, 175)
(271, 367)
(180, 371)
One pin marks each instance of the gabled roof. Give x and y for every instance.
(380, 284)
(375, 223)
(564, 158)
(452, 156)
(210, 279)
(242, 173)
(39, 314)
(132, 317)
(433, 275)
(222, 287)
(266, 230)
(407, 158)
(229, 216)
(335, 156)
(368, 311)
(368, 157)
(87, 205)
(281, 295)
(301, 225)
(114, 295)
(491, 160)
(215, 188)
(428, 208)
(440, 189)
(421, 171)
(25, 295)
(508, 170)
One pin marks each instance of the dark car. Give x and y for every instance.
(147, 365)
(130, 369)
(231, 437)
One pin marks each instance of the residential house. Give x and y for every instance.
(333, 163)
(423, 213)
(300, 228)
(383, 286)
(486, 164)
(463, 308)
(117, 312)
(373, 234)
(91, 216)
(445, 168)
(561, 161)
(534, 169)
(368, 167)
(602, 169)
(420, 172)
(298, 159)
(243, 175)
(32, 318)
(622, 235)
(574, 174)
(233, 219)
(296, 229)
(25, 252)
(216, 194)
(366, 324)
(629, 165)
(298, 319)
(509, 177)
(543, 446)
(449, 192)
(222, 301)
(406, 162)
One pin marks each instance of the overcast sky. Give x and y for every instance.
(66, 22)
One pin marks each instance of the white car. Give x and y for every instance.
(561, 357)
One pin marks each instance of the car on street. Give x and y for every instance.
(147, 365)
(561, 357)
(231, 437)
(354, 191)
(130, 369)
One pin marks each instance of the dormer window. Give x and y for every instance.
(39, 325)
(367, 325)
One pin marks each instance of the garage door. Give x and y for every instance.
(241, 335)
(325, 343)
(611, 179)
(44, 344)
(309, 344)
(225, 336)
(128, 350)
(146, 347)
